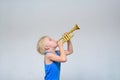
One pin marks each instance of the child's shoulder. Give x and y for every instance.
(47, 57)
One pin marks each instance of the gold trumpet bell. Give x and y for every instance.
(76, 27)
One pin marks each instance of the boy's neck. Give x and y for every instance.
(51, 50)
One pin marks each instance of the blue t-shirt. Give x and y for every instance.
(52, 71)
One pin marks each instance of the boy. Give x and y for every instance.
(53, 58)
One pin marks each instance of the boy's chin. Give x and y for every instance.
(56, 46)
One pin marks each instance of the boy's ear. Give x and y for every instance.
(46, 47)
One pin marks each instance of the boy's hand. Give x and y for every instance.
(60, 43)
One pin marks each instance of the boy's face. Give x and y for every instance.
(50, 42)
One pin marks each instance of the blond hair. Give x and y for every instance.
(41, 45)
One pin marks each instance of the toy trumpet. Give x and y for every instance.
(69, 34)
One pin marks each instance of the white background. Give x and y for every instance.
(96, 45)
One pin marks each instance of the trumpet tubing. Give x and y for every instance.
(65, 37)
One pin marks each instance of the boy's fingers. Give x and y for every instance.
(66, 37)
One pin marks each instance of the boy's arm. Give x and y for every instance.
(61, 58)
(69, 48)
(69, 45)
